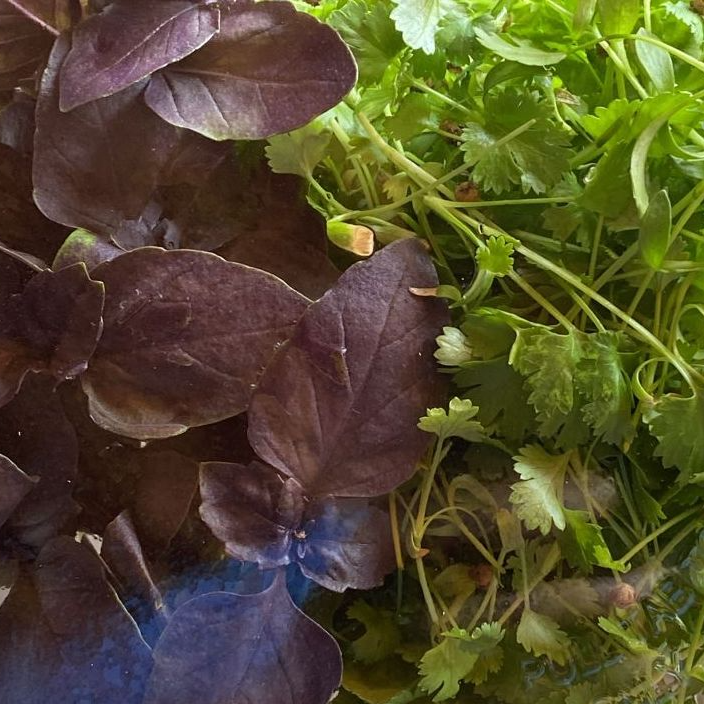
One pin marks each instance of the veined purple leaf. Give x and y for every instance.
(51, 327)
(24, 46)
(337, 407)
(95, 630)
(270, 69)
(53, 16)
(14, 486)
(260, 648)
(130, 40)
(36, 435)
(186, 337)
(264, 518)
(99, 166)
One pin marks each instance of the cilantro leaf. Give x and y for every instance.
(496, 256)
(454, 659)
(538, 497)
(520, 51)
(677, 424)
(583, 545)
(382, 635)
(540, 635)
(297, 152)
(535, 158)
(457, 422)
(419, 20)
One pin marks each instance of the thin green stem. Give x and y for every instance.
(441, 96)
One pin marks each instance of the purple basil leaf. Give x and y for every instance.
(24, 46)
(259, 648)
(337, 408)
(14, 486)
(51, 327)
(186, 337)
(130, 40)
(252, 509)
(96, 631)
(53, 16)
(17, 125)
(99, 166)
(345, 544)
(163, 495)
(270, 69)
(36, 435)
(22, 225)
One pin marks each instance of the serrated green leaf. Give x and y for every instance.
(625, 636)
(297, 152)
(676, 422)
(583, 546)
(538, 497)
(415, 114)
(655, 235)
(382, 635)
(535, 158)
(456, 422)
(520, 51)
(496, 256)
(540, 635)
(419, 21)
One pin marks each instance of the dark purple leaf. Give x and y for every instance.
(53, 16)
(51, 327)
(240, 649)
(337, 408)
(22, 225)
(99, 166)
(17, 126)
(36, 435)
(96, 632)
(270, 69)
(14, 486)
(163, 494)
(186, 337)
(264, 518)
(24, 46)
(130, 40)
(253, 510)
(9, 572)
(83, 246)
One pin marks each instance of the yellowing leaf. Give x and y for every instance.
(538, 497)
(540, 635)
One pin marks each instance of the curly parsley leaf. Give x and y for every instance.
(538, 497)
(517, 143)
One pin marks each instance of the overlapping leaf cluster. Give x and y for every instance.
(198, 412)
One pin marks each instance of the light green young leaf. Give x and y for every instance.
(656, 63)
(535, 157)
(419, 20)
(520, 51)
(655, 235)
(415, 114)
(625, 636)
(583, 545)
(445, 665)
(618, 16)
(584, 14)
(297, 152)
(382, 635)
(455, 423)
(538, 497)
(496, 256)
(453, 347)
(676, 422)
(540, 635)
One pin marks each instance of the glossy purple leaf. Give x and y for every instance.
(36, 435)
(186, 337)
(99, 166)
(337, 408)
(14, 486)
(270, 69)
(264, 518)
(24, 46)
(130, 40)
(96, 632)
(51, 327)
(224, 648)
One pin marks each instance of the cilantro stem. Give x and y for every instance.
(395, 535)
(441, 96)
(539, 298)
(657, 532)
(516, 201)
(425, 589)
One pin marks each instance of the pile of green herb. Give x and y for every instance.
(551, 155)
